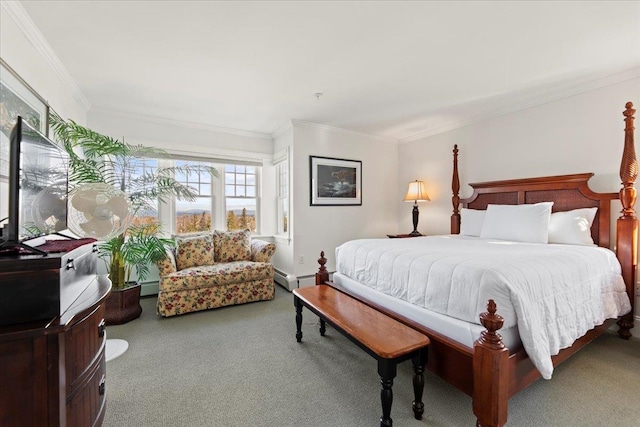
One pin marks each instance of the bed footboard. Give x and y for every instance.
(490, 372)
(627, 225)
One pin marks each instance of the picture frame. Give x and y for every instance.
(335, 182)
(17, 98)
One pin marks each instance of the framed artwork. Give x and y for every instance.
(335, 182)
(17, 98)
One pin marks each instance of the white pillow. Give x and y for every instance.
(572, 227)
(521, 223)
(471, 221)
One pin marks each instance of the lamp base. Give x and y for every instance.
(415, 233)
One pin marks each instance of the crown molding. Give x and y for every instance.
(551, 94)
(180, 123)
(218, 154)
(286, 126)
(327, 128)
(20, 16)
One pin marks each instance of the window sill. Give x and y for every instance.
(285, 240)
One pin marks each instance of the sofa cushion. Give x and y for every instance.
(217, 274)
(232, 245)
(194, 251)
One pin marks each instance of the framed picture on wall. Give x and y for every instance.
(335, 182)
(17, 98)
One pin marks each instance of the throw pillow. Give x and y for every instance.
(572, 227)
(527, 223)
(232, 245)
(194, 251)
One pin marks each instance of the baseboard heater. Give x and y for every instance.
(286, 280)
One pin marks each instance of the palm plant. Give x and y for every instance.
(97, 158)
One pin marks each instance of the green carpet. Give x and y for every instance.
(241, 366)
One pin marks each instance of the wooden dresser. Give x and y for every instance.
(52, 371)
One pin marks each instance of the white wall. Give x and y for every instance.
(581, 133)
(323, 228)
(180, 137)
(29, 56)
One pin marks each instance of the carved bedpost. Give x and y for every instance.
(322, 275)
(490, 372)
(627, 224)
(455, 189)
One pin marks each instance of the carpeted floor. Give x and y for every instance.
(241, 366)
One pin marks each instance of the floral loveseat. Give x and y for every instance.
(215, 270)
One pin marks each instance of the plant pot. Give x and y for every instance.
(123, 305)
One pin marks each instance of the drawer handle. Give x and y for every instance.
(70, 265)
(101, 328)
(102, 386)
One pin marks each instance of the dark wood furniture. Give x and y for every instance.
(36, 287)
(387, 340)
(402, 236)
(52, 371)
(490, 373)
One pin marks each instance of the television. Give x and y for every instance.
(38, 174)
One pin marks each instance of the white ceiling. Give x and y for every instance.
(393, 69)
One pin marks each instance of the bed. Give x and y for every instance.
(487, 365)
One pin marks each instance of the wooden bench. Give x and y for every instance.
(387, 340)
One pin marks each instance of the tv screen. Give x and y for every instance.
(37, 185)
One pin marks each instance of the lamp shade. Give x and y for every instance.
(417, 192)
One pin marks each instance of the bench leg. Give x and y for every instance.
(419, 363)
(298, 304)
(387, 372)
(323, 327)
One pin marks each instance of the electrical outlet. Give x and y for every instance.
(301, 259)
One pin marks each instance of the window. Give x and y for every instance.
(229, 201)
(240, 195)
(138, 170)
(196, 215)
(282, 176)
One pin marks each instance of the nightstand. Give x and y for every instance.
(401, 236)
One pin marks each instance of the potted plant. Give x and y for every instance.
(140, 246)
(97, 158)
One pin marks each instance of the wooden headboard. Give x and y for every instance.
(572, 192)
(567, 192)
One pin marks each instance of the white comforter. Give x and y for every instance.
(554, 293)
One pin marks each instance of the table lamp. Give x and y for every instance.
(416, 193)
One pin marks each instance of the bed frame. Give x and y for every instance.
(489, 372)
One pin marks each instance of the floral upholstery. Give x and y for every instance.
(172, 303)
(217, 284)
(223, 273)
(232, 245)
(194, 251)
(262, 251)
(167, 265)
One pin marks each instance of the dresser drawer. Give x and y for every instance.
(42, 288)
(87, 405)
(84, 345)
